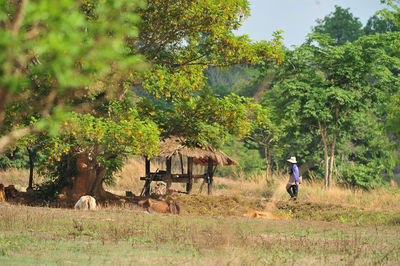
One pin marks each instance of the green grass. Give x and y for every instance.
(328, 227)
(30, 235)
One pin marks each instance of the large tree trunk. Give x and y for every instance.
(88, 179)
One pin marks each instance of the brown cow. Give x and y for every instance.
(10, 192)
(159, 206)
(2, 193)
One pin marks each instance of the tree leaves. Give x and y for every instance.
(334, 89)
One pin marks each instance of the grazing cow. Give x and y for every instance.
(264, 215)
(10, 192)
(159, 206)
(2, 193)
(85, 203)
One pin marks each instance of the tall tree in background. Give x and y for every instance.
(393, 108)
(341, 25)
(266, 131)
(326, 88)
(379, 24)
(393, 13)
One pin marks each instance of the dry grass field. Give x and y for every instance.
(32, 235)
(339, 226)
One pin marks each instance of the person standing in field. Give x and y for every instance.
(294, 179)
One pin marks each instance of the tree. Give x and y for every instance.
(393, 13)
(179, 39)
(394, 114)
(53, 53)
(266, 131)
(182, 38)
(89, 150)
(326, 88)
(341, 25)
(239, 79)
(379, 24)
(366, 155)
(203, 119)
(393, 106)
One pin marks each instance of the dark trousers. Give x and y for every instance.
(293, 190)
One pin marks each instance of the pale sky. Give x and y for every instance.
(296, 17)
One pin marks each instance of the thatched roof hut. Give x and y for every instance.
(174, 146)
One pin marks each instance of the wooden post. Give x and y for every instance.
(147, 166)
(31, 165)
(210, 175)
(181, 158)
(169, 167)
(146, 188)
(190, 175)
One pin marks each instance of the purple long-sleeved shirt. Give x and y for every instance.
(295, 172)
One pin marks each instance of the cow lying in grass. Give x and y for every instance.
(264, 215)
(159, 206)
(7, 193)
(11, 192)
(85, 203)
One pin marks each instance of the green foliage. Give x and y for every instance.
(57, 175)
(325, 91)
(249, 158)
(109, 139)
(393, 13)
(367, 156)
(74, 87)
(51, 31)
(17, 159)
(394, 114)
(341, 25)
(181, 39)
(379, 24)
(202, 119)
(53, 53)
(241, 80)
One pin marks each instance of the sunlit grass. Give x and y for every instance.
(46, 236)
(336, 226)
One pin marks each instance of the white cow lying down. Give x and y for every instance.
(85, 203)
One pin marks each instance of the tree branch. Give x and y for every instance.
(19, 15)
(9, 139)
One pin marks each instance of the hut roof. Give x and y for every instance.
(175, 146)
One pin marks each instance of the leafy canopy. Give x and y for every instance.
(326, 89)
(182, 39)
(53, 55)
(341, 25)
